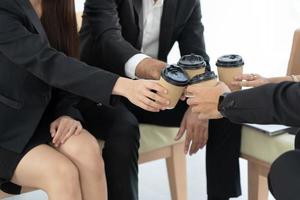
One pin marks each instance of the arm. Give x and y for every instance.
(191, 39)
(104, 27)
(255, 80)
(28, 51)
(268, 104)
(65, 105)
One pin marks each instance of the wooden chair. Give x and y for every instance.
(258, 169)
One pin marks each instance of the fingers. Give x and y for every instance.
(153, 85)
(63, 128)
(181, 130)
(187, 143)
(246, 77)
(150, 104)
(157, 98)
(59, 133)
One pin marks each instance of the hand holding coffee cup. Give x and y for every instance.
(230, 66)
(192, 64)
(208, 79)
(174, 79)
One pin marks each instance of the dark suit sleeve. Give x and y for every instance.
(65, 104)
(191, 39)
(269, 104)
(30, 52)
(106, 31)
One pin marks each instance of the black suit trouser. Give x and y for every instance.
(222, 152)
(119, 129)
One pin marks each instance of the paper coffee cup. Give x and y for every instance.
(230, 66)
(174, 79)
(192, 64)
(208, 79)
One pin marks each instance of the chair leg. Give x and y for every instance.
(177, 172)
(257, 182)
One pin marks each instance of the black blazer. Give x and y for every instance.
(30, 69)
(111, 31)
(269, 104)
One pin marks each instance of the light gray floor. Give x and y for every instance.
(154, 182)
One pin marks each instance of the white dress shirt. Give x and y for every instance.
(152, 12)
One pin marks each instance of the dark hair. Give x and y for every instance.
(59, 21)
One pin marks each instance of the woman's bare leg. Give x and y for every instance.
(84, 151)
(45, 168)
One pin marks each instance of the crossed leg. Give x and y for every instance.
(74, 171)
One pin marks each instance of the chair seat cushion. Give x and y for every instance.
(263, 147)
(254, 143)
(155, 137)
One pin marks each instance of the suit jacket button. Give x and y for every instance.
(99, 104)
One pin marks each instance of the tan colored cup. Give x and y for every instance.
(230, 66)
(227, 74)
(193, 72)
(174, 79)
(192, 64)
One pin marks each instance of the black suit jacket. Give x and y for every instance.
(30, 69)
(112, 31)
(269, 104)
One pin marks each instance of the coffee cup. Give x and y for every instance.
(174, 79)
(229, 66)
(193, 64)
(208, 79)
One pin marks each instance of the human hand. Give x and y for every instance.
(196, 132)
(250, 80)
(63, 128)
(205, 100)
(149, 68)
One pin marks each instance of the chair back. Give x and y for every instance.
(79, 20)
(294, 63)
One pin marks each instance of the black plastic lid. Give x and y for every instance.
(175, 75)
(230, 61)
(192, 61)
(209, 75)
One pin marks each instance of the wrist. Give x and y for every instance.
(221, 107)
(121, 86)
(149, 68)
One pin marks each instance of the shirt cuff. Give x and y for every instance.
(132, 63)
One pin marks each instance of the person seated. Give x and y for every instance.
(42, 142)
(266, 104)
(133, 38)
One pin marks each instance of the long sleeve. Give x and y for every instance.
(269, 104)
(191, 39)
(106, 32)
(29, 51)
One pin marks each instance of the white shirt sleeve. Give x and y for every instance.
(132, 63)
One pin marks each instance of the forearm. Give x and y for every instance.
(269, 104)
(149, 68)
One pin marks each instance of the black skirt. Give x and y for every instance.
(9, 160)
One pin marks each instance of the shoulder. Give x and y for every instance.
(10, 7)
(188, 4)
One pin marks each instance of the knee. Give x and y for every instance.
(87, 155)
(63, 175)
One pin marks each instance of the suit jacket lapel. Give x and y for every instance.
(167, 26)
(138, 8)
(34, 19)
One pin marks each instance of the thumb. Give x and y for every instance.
(181, 130)
(53, 128)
